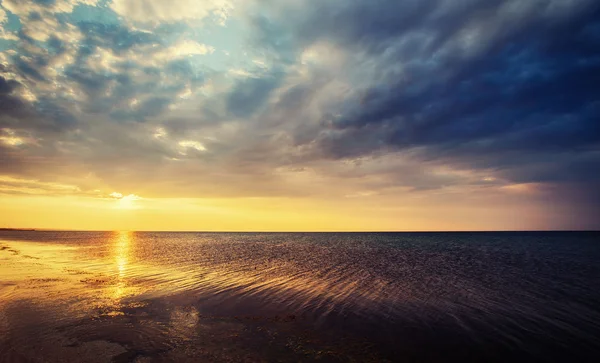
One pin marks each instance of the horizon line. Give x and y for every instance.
(291, 231)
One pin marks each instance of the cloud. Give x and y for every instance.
(25, 8)
(3, 16)
(19, 186)
(9, 104)
(182, 49)
(249, 94)
(192, 145)
(43, 114)
(9, 137)
(157, 11)
(501, 86)
(115, 37)
(460, 83)
(116, 195)
(152, 106)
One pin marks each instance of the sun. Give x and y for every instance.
(126, 201)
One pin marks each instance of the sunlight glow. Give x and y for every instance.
(190, 144)
(121, 253)
(10, 138)
(125, 201)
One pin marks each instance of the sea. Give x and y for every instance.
(299, 297)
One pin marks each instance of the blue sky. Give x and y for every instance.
(431, 104)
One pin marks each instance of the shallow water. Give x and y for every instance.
(426, 297)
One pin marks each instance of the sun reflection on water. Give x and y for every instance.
(122, 246)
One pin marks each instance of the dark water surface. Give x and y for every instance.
(254, 297)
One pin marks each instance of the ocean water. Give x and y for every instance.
(270, 297)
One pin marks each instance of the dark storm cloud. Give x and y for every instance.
(522, 82)
(7, 86)
(43, 115)
(10, 105)
(508, 87)
(29, 69)
(60, 117)
(55, 45)
(91, 83)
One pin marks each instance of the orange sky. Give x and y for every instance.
(477, 211)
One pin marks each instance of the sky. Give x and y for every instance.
(300, 115)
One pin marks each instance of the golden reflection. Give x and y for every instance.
(121, 252)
